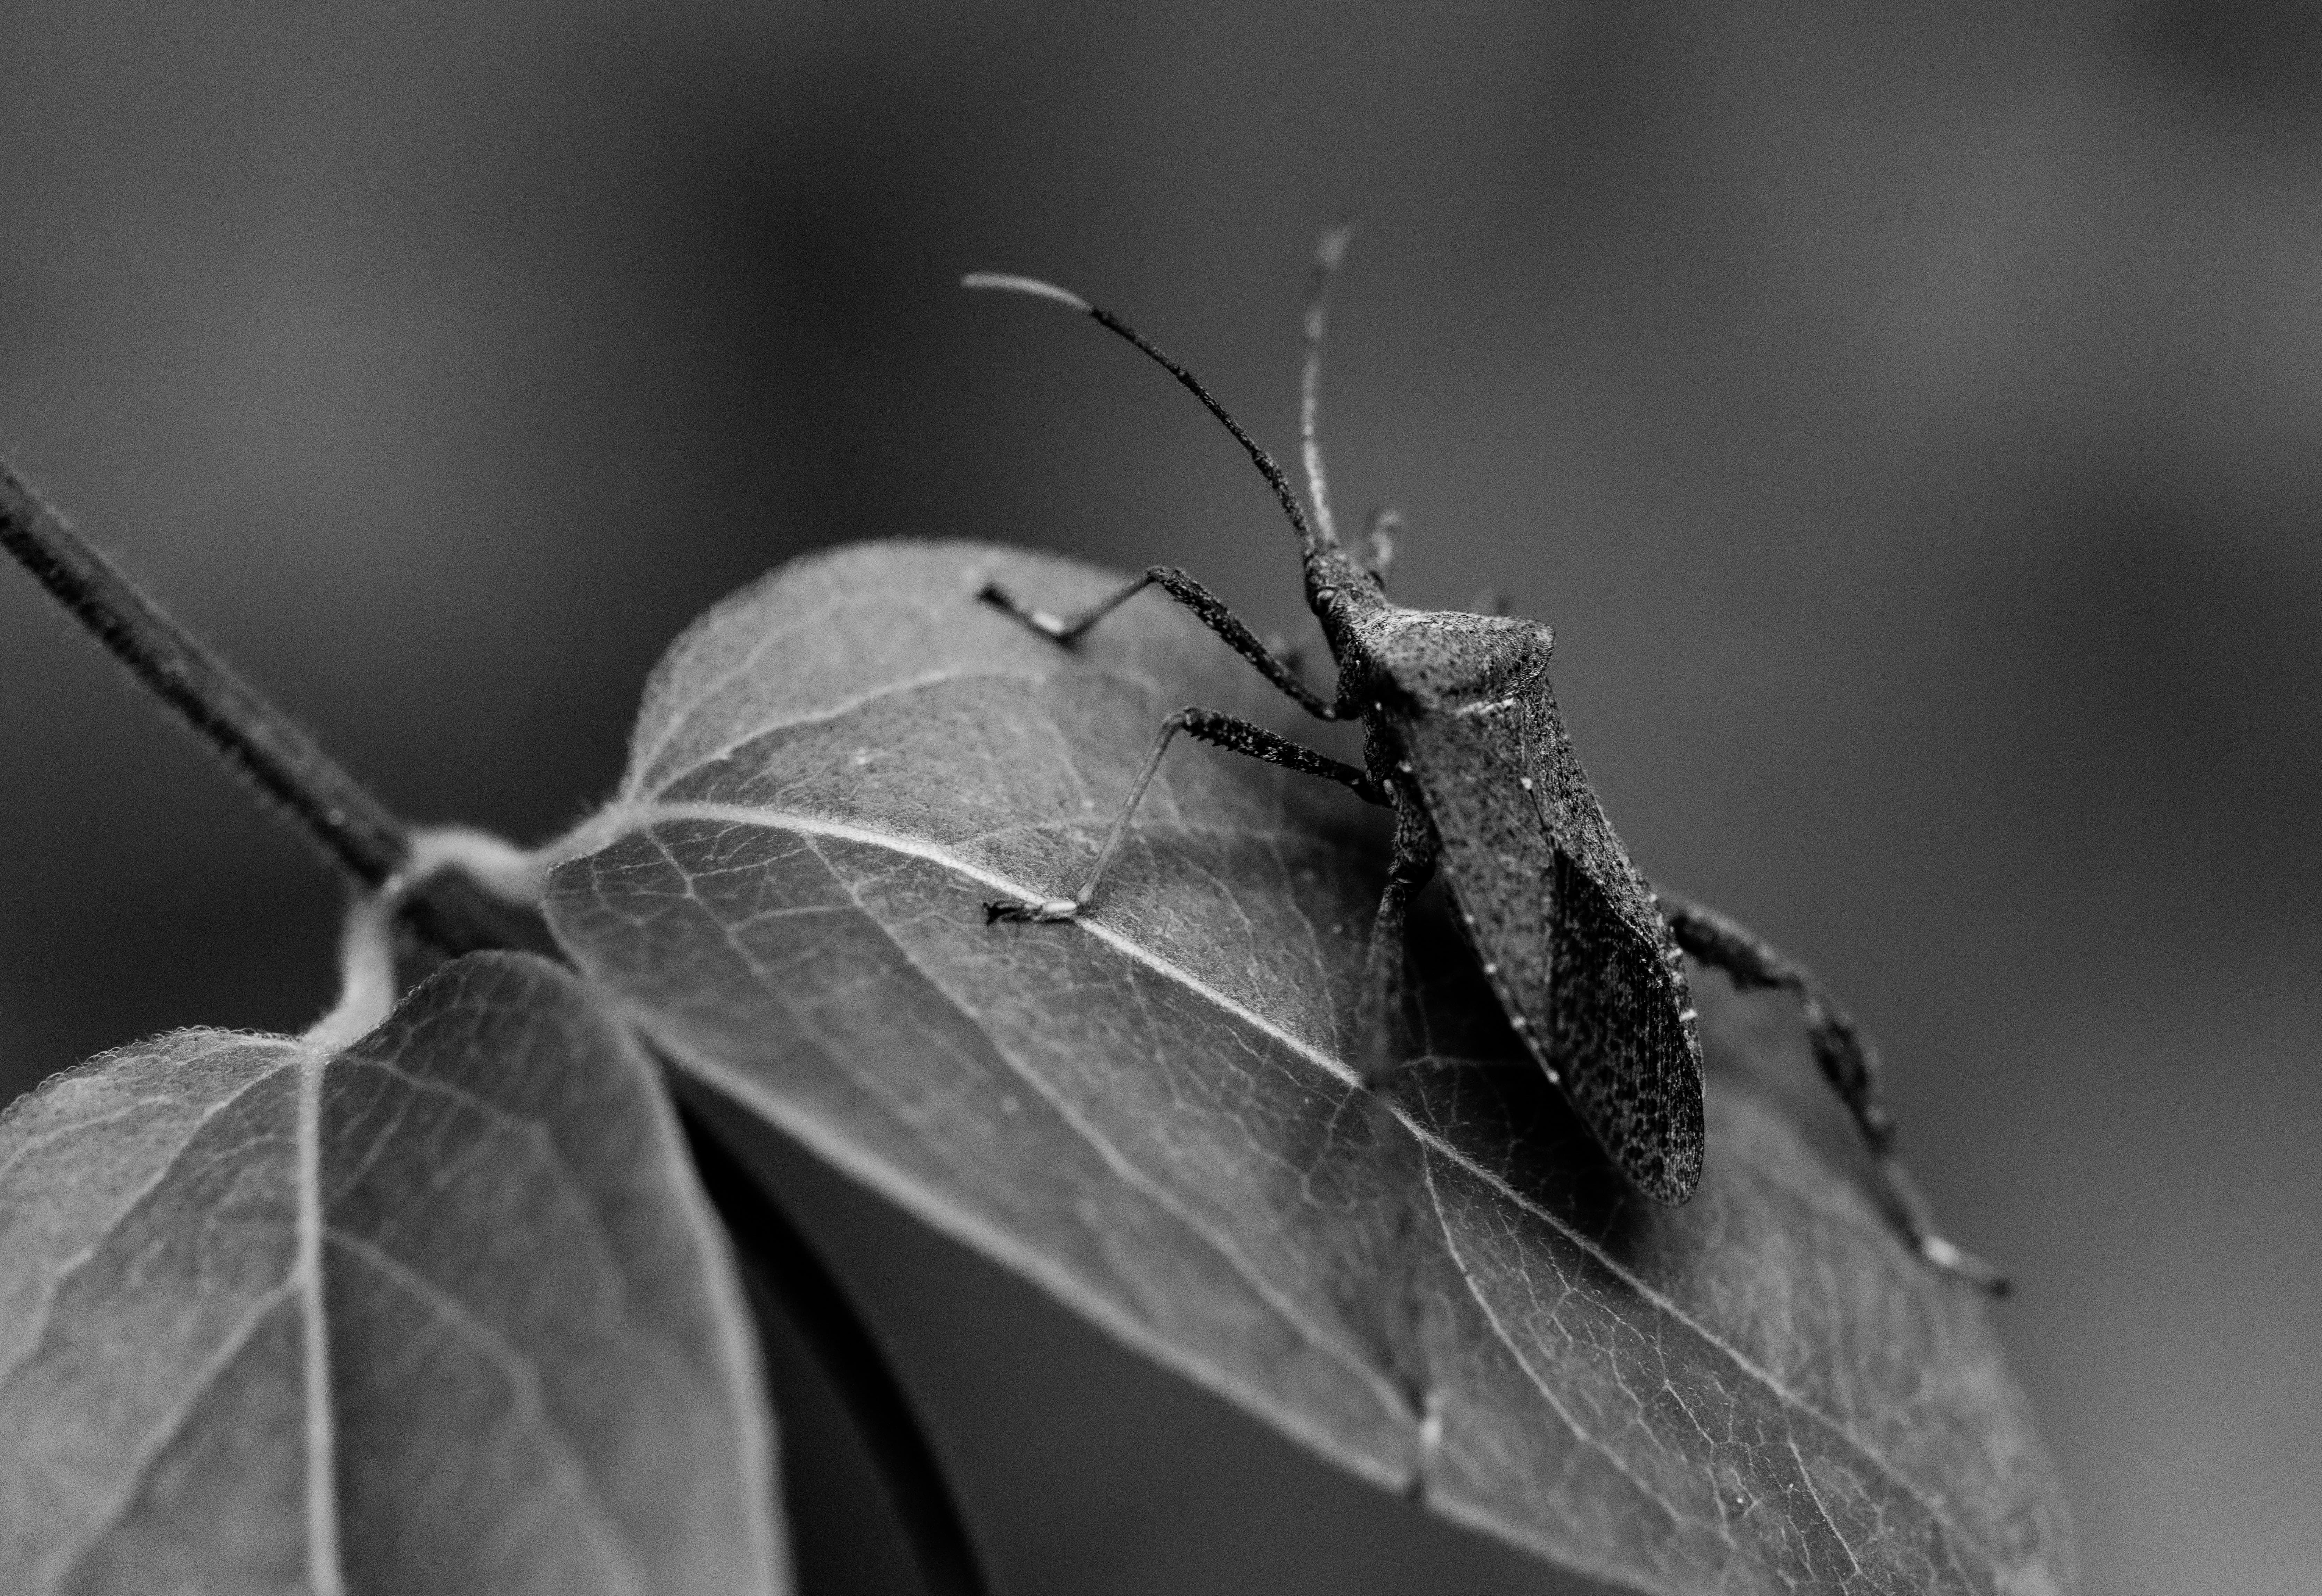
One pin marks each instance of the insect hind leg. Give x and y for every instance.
(1848, 1059)
(1220, 730)
(1412, 866)
(1207, 607)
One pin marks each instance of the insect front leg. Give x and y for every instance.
(1416, 849)
(1848, 1059)
(1207, 607)
(1220, 730)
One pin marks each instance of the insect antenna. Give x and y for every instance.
(1329, 251)
(1309, 542)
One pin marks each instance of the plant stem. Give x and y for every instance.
(810, 1297)
(364, 840)
(353, 829)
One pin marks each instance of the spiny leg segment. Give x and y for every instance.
(1220, 730)
(1207, 607)
(1315, 538)
(1847, 1058)
(1416, 844)
(1417, 848)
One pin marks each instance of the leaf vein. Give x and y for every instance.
(1500, 1332)
(170, 1426)
(646, 816)
(523, 1384)
(1161, 1197)
(65, 1268)
(1805, 1478)
(836, 710)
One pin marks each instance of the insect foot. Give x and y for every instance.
(1046, 911)
(1039, 620)
(1463, 739)
(1944, 1256)
(1847, 1059)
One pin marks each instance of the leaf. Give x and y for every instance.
(1150, 1112)
(441, 1312)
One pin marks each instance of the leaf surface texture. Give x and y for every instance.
(444, 1311)
(1152, 1114)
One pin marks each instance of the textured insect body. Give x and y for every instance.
(1461, 722)
(1572, 938)
(1463, 741)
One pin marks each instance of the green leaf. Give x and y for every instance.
(441, 1312)
(1151, 1113)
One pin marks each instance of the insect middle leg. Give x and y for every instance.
(1846, 1056)
(1220, 730)
(1207, 607)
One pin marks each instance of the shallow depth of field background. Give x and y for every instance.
(1911, 423)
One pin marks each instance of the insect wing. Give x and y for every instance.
(1566, 929)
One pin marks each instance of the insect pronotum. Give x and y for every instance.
(1463, 741)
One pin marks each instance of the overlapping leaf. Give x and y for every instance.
(441, 1311)
(1151, 1113)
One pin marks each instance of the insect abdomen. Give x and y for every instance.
(1565, 929)
(1619, 1028)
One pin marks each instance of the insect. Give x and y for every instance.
(1463, 741)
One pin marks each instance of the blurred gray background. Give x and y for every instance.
(1910, 418)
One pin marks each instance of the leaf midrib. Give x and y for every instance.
(641, 816)
(323, 1564)
(1127, 1171)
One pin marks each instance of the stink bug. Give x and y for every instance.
(1463, 741)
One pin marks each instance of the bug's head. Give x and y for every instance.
(1449, 659)
(1346, 597)
(1334, 576)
